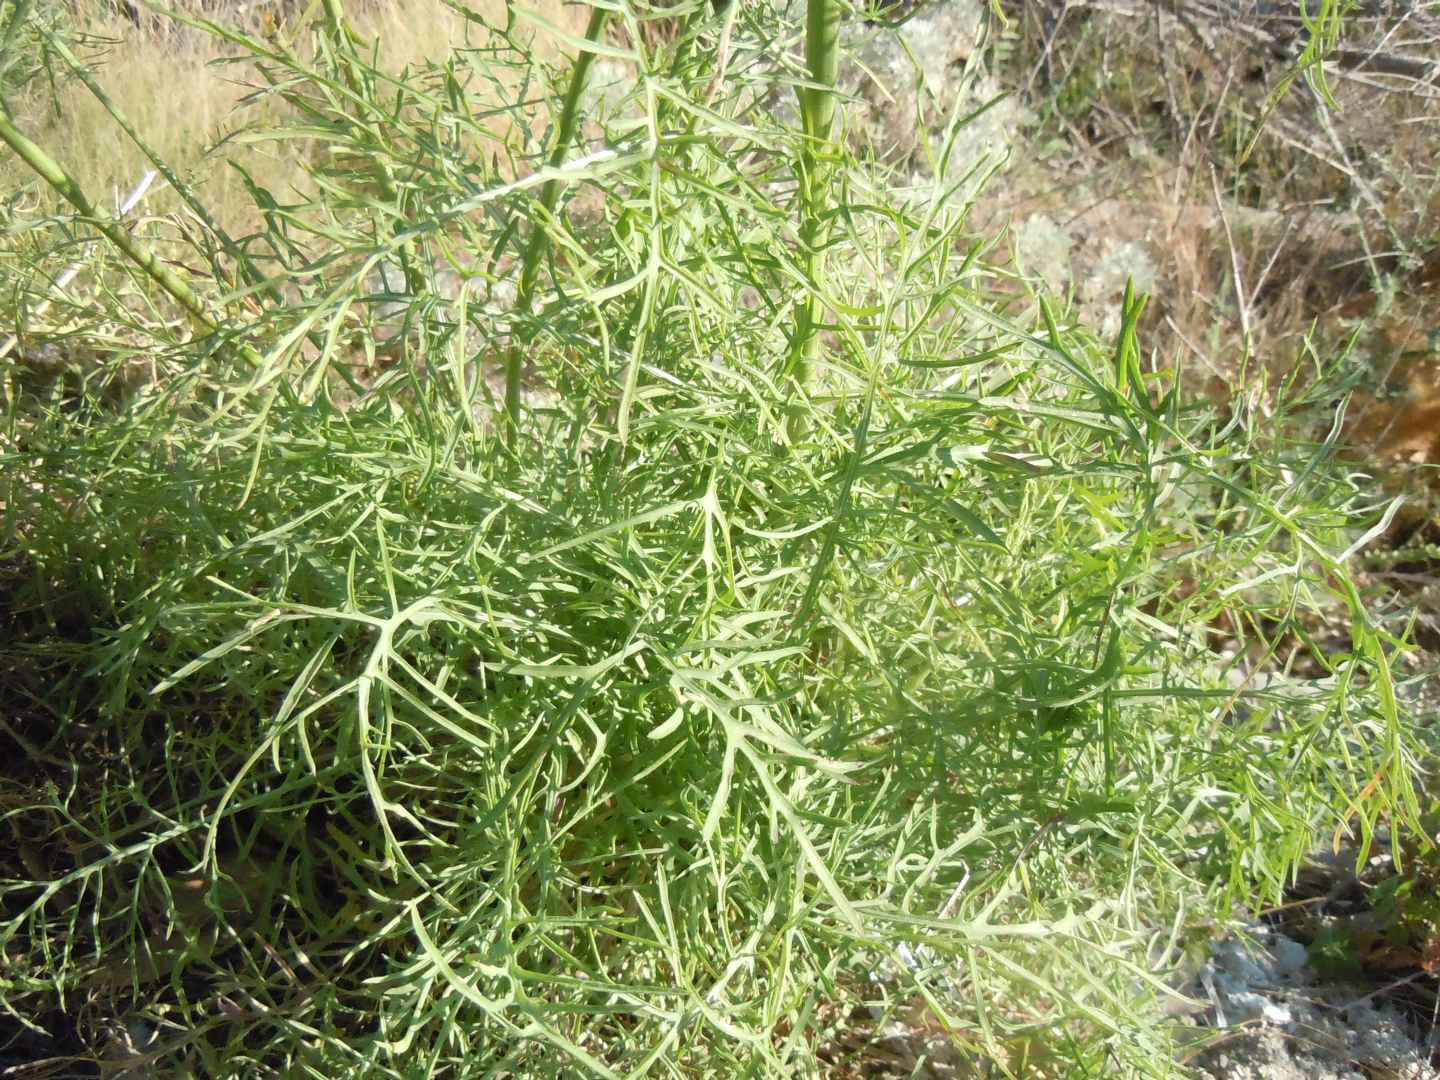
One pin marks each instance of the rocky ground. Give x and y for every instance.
(1274, 1017)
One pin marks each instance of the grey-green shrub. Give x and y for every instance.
(671, 735)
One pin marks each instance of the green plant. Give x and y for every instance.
(1410, 910)
(22, 43)
(1333, 955)
(669, 724)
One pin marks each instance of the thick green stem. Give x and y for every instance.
(534, 255)
(55, 175)
(822, 56)
(817, 113)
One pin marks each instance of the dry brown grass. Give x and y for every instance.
(1320, 248)
(1156, 110)
(173, 85)
(1397, 423)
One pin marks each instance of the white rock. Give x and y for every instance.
(1246, 1006)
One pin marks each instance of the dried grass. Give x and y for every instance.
(174, 86)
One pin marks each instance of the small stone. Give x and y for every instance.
(1290, 956)
(1232, 958)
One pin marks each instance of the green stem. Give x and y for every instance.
(549, 195)
(55, 175)
(817, 113)
(822, 55)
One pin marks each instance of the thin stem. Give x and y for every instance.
(549, 195)
(55, 175)
(73, 270)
